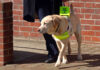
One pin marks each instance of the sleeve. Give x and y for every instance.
(57, 4)
(29, 10)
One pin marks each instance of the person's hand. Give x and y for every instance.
(64, 0)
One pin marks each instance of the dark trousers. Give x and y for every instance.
(51, 46)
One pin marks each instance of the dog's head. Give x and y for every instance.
(50, 24)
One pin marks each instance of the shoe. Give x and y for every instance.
(50, 60)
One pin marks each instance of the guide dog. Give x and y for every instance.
(57, 25)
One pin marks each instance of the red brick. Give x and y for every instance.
(97, 0)
(16, 28)
(1, 21)
(97, 39)
(19, 23)
(80, 15)
(20, 18)
(37, 24)
(1, 63)
(97, 5)
(87, 22)
(35, 34)
(1, 40)
(84, 10)
(17, 12)
(87, 27)
(1, 46)
(25, 34)
(88, 16)
(1, 52)
(37, 20)
(35, 29)
(0, 7)
(16, 17)
(26, 28)
(89, 5)
(15, 6)
(97, 22)
(1, 16)
(88, 33)
(18, 1)
(1, 34)
(16, 33)
(21, 7)
(1, 59)
(77, 10)
(27, 24)
(96, 28)
(96, 16)
(88, 38)
(87, 0)
(97, 33)
(76, 4)
(97, 11)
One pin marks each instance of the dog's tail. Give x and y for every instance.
(71, 9)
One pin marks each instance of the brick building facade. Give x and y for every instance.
(87, 10)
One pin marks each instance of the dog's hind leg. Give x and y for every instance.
(69, 48)
(78, 37)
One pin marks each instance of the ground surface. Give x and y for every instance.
(30, 55)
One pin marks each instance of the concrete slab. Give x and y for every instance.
(30, 55)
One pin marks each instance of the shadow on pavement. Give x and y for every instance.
(23, 57)
(90, 59)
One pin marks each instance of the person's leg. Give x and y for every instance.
(50, 43)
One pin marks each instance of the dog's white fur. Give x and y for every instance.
(49, 24)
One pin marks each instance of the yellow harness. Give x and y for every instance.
(62, 36)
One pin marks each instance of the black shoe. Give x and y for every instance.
(50, 60)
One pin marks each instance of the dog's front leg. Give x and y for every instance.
(61, 53)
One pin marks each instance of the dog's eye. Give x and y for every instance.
(45, 23)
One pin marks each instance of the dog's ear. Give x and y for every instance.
(56, 20)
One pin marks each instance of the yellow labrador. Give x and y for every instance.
(57, 25)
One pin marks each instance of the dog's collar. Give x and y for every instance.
(57, 28)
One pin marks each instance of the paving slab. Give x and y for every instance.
(30, 55)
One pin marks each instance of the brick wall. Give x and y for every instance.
(87, 10)
(22, 28)
(89, 13)
(6, 32)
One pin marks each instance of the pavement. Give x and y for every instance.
(30, 55)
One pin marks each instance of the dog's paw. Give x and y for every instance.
(79, 57)
(57, 64)
(64, 61)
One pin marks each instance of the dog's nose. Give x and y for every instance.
(38, 30)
